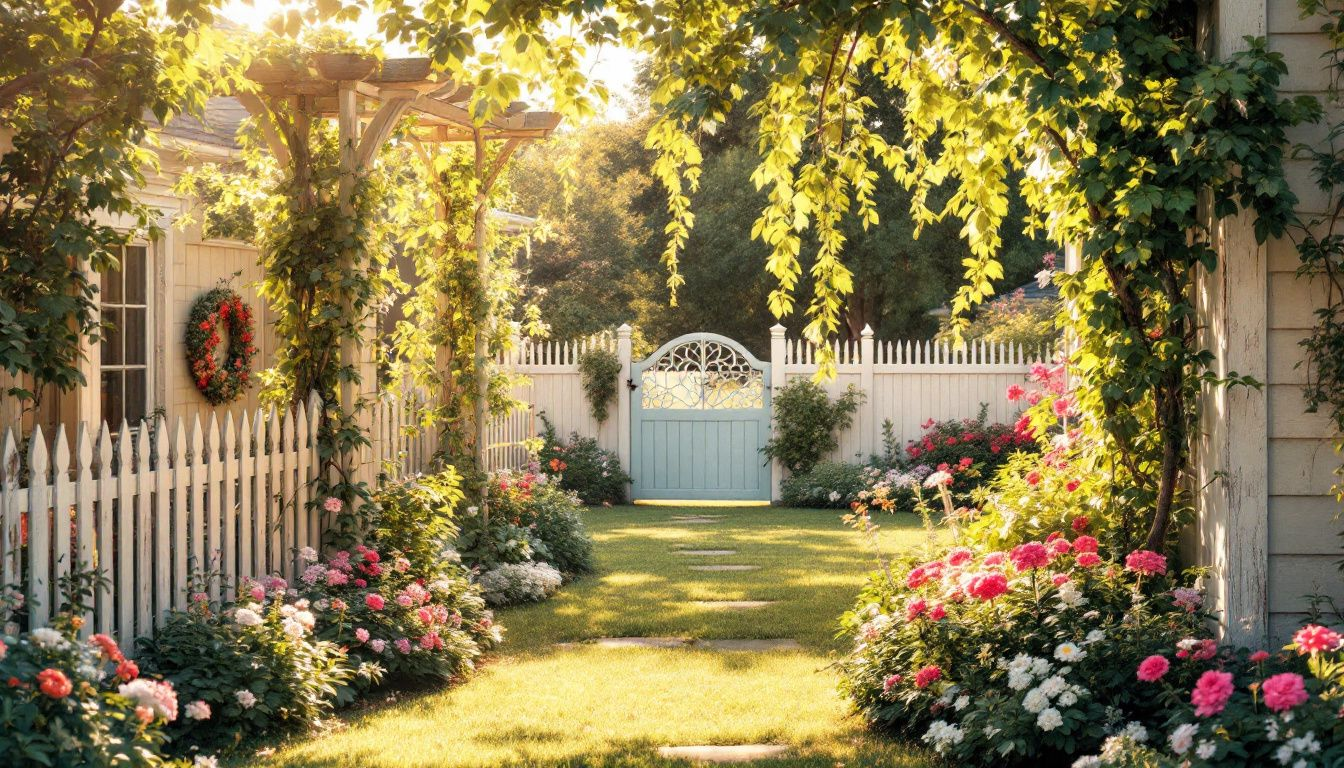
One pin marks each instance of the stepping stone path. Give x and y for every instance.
(640, 642)
(734, 605)
(739, 753)
(722, 567)
(707, 552)
(697, 519)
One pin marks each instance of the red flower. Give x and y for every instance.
(927, 675)
(54, 683)
(128, 670)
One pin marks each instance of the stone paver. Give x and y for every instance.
(737, 753)
(707, 552)
(733, 605)
(696, 521)
(749, 645)
(640, 642)
(725, 567)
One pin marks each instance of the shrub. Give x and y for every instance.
(583, 466)
(1011, 319)
(553, 518)
(833, 484)
(972, 450)
(599, 370)
(416, 517)
(70, 701)
(254, 664)
(510, 583)
(995, 657)
(806, 421)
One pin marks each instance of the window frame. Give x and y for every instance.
(150, 331)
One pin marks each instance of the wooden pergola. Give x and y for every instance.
(368, 98)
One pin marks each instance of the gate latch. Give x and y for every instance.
(630, 383)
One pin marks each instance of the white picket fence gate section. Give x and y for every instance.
(150, 507)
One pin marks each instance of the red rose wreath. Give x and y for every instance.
(220, 380)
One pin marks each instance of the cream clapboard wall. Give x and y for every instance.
(1303, 542)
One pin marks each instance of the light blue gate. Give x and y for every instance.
(700, 414)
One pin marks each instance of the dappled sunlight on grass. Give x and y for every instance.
(540, 704)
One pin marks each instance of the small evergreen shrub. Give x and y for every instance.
(583, 466)
(806, 422)
(599, 370)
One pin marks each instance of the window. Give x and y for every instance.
(125, 347)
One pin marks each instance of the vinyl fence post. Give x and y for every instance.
(778, 362)
(624, 352)
(867, 359)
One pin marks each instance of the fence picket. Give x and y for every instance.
(62, 505)
(181, 515)
(39, 531)
(301, 475)
(10, 510)
(124, 583)
(196, 529)
(84, 500)
(163, 553)
(144, 541)
(106, 522)
(228, 545)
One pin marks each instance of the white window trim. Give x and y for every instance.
(153, 310)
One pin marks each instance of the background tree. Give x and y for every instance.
(81, 85)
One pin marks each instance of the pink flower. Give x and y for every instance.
(891, 682)
(1058, 547)
(362, 635)
(1199, 650)
(987, 585)
(1259, 657)
(374, 601)
(1284, 691)
(1084, 543)
(1079, 523)
(336, 578)
(1029, 556)
(915, 608)
(1072, 486)
(402, 565)
(378, 645)
(403, 645)
(1088, 559)
(994, 558)
(1314, 639)
(338, 605)
(1153, 668)
(404, 600)
(1146, 563)
(1186, 598)
(959, 556)
(937, 612)
(332, 504)
(431, 641)
(258, 593)
(1059, 578)
(1033, 477)
(1211, 693)
(927, 675)
(1015, 392)
(361, 583)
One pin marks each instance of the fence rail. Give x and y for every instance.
(149, 505)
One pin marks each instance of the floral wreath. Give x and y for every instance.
(220, 382)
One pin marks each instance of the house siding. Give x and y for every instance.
(1304, 545)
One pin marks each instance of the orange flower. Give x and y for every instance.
(54, 683)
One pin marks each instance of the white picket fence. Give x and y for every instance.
(150, 506)
(507, 439)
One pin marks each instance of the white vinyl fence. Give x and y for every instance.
(905, 382)
(151, 505)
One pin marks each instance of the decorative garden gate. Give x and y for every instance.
(699, 416)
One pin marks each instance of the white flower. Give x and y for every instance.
(197, 710)
(1135, 732)
(1283, 754)
(308, 554)
(246, 698)
(834, 497)
(1091, 761)
(305, 618)
(1205, 749)
(46, 637)
(938, 479)
(247, 617)
(942, 734)
(1049, 720)
(1095, 636)
(293, 628)
(1035, 701)
(1183, 738)
(1070, 596)
(204, 761)
(1019, 681)
(1306, 743)
(1020, 663)
(961, 703)
(1069, 652)
(1067, 699)
(1053, 686)
(1043, 277)
(1040, 667)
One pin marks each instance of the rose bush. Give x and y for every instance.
(67, 700)
(1001, 656)
(583, 467)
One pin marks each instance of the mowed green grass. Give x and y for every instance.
(538, 703)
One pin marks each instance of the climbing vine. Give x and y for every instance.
(599, 370)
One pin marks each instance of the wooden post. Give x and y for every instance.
(357, 352)
(867, 359)
(777, 368)
(482, 350)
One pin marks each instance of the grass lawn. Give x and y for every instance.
(542, 704)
